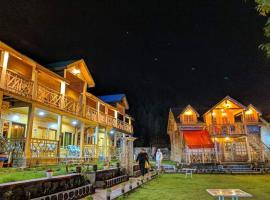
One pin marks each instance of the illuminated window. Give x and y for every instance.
(188, 119)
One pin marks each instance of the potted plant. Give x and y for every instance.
(108, 193)
(49, 173)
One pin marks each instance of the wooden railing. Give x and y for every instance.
(111, 121)
(199, 156)
(101, 118)
(227, 129)
(19, 85)
(43, 148)
(48, 96)
(22, 86)
(72, 106)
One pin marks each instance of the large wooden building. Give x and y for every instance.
(228, 132)
(47, 114)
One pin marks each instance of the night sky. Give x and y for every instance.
(160, 53)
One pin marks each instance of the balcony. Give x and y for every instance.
(21, 86)
(227, 129)
(18, 84)
(48, 96)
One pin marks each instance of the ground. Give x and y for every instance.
(176, 187)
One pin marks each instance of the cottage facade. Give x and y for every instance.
(228, 132)
(48, 115)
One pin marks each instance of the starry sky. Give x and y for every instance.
(162, 54)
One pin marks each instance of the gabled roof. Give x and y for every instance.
(229, 99)
(115, 98)
(251, 106)
(189, 107)
(60, 66)
(176, 112)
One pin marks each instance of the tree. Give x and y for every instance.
(263, 7)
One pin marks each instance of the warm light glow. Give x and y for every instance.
(5, 62)
(53, 126)
(41, 113)
(213, 114)
(15, 118)
(227, 138)
(74, 123)
(16, 127)
(226, 104)
(249, 112)
(222, 110)
(188, 112)
(224, 114)
(76, 71)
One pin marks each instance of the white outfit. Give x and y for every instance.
(159, 158)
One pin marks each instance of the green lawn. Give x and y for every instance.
(176, 187)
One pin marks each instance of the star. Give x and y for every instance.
(226, 78)
(156, 59)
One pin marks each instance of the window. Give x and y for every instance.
(250, 117)
(188, 119)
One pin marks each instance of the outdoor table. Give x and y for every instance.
(235, 194)
(188, 171)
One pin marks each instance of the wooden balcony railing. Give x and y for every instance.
(111, 121)
(228, 129)
(91, 114)
(72, 106)
(43, 148)
(48, 96)
(101, 118)
(18, 84)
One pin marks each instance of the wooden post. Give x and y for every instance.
(1, 121)
(35, 82)
(246, 138)
(84, 99)
(59, 131)
(105, 145)
(214, 133)
(82, 140)
(62, 92)
(29, 129)
(3, 64)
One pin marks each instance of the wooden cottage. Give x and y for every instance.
(228, 132)
(48, 115)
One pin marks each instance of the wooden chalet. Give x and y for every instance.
(48, 115)
(228, 132)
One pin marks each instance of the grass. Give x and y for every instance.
(16, 174)
(176, 187)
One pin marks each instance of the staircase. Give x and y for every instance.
(239, 168)
(259, 151)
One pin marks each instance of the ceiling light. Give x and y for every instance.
(41, 113)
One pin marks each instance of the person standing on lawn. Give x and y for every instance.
(159, 158)
(143, 160)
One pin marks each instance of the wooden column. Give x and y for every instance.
(84, 99)
(62, 92)
(214, 133)
(29, 129)
(35, 82)
(59, 131)
(105, 145)
(3, 64)
(1, 121)
(246, 138)
(82, 140)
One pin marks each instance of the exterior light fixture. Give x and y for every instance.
(227, 138)
(76, 71)
(15, 118)
(112, 132)
(74, 123)
(188, 112)
(249, 112)
(41, 113)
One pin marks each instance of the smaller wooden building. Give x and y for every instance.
(227, 132)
